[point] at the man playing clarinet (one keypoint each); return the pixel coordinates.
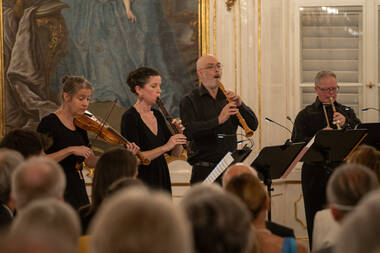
(325, 113)
(210, 120)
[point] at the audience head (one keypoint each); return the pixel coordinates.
(111, 166)
(27, 142)
(361, 228)
(221, 223)
(347, 185)
(124, 183)
(249, 189)
(367, 156)
(237, 169)
(139, 77)
(9, 160)
(37, 178)
(135, 220)
(49, 221)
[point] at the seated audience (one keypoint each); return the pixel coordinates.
(37, 178)
(49, 221)
(111, 166)
(347, 186)
(250, 190)
(360, 230)
(136, 220)
(221, 223)
(367, 156)
(9, 160)
(124, 183)
(241, 168)
(27, 142)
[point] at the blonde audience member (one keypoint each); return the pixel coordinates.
(367, 156)
(250, 190)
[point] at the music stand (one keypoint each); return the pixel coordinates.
(373, 137)
(273, 161)
(229, 159)
(334, 145)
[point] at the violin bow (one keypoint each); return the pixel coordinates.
(106, 118)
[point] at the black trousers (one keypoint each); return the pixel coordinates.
(200, 172)
(314, 181)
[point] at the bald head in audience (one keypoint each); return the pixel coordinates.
(37, 178)
(237, 169)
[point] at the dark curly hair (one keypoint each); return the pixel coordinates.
(139, 77)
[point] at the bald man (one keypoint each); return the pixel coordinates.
(37, 178)
(235, 170)
(241, 168)
(210, 120)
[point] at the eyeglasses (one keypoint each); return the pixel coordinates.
(334, 89)
(213, 66)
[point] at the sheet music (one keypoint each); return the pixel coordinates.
(219, 168)
(298, 157)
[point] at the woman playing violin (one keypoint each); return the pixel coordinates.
(70, 143)
(147, 128)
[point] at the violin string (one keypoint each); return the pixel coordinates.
(105, 119)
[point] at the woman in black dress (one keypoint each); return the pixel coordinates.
(70, 143)
(147, 128)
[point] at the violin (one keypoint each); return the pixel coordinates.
(89, 122)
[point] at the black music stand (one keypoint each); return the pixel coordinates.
(273, 161)
(373, 137)
(333, 145)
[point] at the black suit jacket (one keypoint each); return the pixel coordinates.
(279, 230)
(5, 218)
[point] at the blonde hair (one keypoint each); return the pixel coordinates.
(249, 189)
(367, 156)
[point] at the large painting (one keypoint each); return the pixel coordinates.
(101, 40)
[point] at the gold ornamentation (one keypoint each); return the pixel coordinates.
(296, 212)
(230, 4)
(2, 91)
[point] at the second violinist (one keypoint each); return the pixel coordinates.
(147, 128)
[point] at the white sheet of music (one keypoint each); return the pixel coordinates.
(219, 168)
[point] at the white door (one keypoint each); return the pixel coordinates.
(341, 36)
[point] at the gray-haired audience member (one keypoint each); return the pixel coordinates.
(135, 220)
(36, 178)
(221, 222)
(347, 186)
(51, 222)
(361, 229)
(9, 160)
